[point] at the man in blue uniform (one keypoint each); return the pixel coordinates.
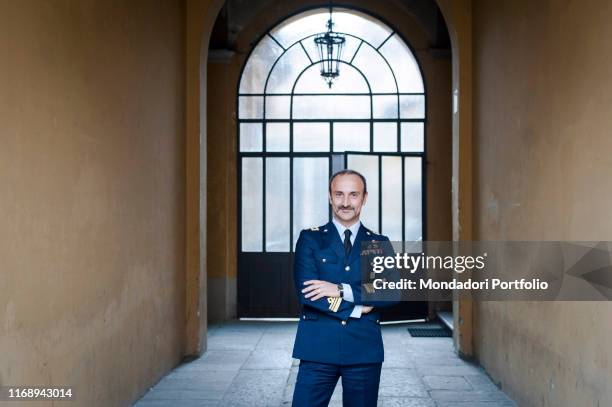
(338, 334)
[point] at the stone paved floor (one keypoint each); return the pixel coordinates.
(250, 364)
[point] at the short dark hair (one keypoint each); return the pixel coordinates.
(349, 172)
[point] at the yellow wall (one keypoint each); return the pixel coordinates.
(542, 103)
(221, 184)
(200, 17)
(92, 186)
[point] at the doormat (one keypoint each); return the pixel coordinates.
(430, 331)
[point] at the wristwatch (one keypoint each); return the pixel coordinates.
(341, 290)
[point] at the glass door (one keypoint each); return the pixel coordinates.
(394, 207)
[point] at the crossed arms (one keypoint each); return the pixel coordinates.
(313, 292)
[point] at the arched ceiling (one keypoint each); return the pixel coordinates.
(236, 14)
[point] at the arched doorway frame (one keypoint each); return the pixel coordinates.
(458, 17)
(200, 17)
(272, 264)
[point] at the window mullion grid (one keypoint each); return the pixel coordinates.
(291, 247)
(263, 199)
(331, 137)
(291, 154)
(329, 174)
(403, 203)
(264, 149)
(380, 187)
(291, 203)
(371, 123)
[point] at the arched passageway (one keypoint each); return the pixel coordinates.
(237, 33)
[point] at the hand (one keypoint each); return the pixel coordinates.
(366, 309)
(316, 289)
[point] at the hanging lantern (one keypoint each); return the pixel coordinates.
(330, 46)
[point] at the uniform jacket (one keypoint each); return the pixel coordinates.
(325, 332)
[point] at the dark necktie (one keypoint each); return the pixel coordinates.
(347, 242)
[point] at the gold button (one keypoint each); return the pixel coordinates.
(343, 322)
(348, 268)
(324, 260)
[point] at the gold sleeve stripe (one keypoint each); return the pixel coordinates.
(334, 303)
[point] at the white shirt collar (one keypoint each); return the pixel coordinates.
(354, 228)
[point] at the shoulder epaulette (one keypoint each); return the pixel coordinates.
(369, 232)
(316, 229)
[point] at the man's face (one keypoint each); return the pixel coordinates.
(347, 197)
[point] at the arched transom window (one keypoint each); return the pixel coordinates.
(294, 130)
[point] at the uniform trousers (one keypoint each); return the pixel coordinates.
(316, 382)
